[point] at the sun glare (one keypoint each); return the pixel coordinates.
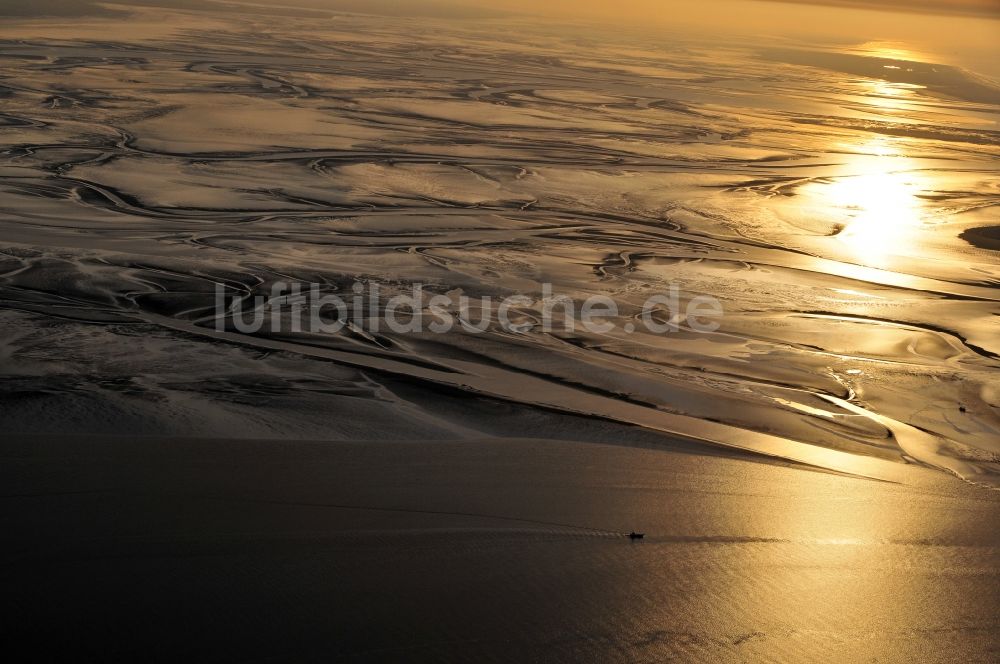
(880, 193)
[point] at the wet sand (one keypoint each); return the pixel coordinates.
(827, 197)
(485, 550)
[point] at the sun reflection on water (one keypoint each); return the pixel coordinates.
(891, 51)
(880, 192)
(889, 98)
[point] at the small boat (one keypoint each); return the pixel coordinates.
(634, 535)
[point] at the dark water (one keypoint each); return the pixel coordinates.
(484, 550)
